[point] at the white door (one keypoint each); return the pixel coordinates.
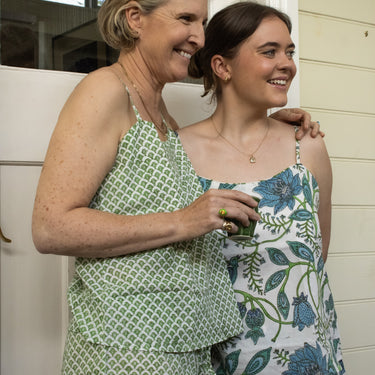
(31, 284)
(33, 312)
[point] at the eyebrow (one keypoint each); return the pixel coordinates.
(277, 45)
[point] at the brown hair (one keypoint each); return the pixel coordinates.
(225, 33)
(113, 25)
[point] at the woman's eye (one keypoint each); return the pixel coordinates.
(291, 54)
(270, 53)
(185, 18)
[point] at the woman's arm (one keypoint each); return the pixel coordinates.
(315, 157)
(81, 152)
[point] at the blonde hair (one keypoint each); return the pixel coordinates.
(113, 25)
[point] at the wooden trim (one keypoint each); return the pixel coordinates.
(17, 163)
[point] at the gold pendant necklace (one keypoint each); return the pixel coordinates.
(252, 158)
(162, 127)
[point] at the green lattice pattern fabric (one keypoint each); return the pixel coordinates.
(178, 298)
(99, 359)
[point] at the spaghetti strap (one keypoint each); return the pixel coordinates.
(298, 151)
(135, 109)
(128, 93)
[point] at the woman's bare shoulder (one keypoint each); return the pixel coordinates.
(103, 83)
(99, 97)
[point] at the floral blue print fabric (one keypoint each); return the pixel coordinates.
(281, 286)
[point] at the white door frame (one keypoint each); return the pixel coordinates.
(290, 7)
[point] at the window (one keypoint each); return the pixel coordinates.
(79, 3)
(52, 34)
(57, 34)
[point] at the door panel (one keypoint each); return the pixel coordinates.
(34, 313)
(32, 285)
(30, 101)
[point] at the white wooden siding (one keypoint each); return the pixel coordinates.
(339, 88)
(353, 230)
(362, 11)
(341, 127)
(337, 77)
(331, 39)
(356, 335)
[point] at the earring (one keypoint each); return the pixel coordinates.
(227, 77)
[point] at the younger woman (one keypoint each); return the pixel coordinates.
(282, 290)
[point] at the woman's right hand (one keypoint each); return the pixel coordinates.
(202, 216)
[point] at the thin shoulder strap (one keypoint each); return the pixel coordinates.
(298, 150)
(127, 92)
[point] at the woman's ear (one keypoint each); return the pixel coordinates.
(134, 16)
(221, 68)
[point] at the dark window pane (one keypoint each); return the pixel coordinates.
(79, 3)
(52, 35)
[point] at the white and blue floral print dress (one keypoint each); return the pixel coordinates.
(281, 286)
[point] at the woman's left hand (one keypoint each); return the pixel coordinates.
(297, 116)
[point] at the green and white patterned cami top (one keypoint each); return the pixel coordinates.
(177, 298)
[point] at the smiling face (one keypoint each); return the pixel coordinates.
(263, 68)
(171, 35)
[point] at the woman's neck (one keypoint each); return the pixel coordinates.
(146, 93)
(142, 79)
(239, 123)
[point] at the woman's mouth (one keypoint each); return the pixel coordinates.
(183, 53)
(278, 82)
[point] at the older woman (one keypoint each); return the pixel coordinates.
(150, 293)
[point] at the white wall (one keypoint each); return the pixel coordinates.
(337, 70)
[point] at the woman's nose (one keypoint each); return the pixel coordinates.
(197, 35)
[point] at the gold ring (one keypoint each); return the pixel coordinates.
(223, 212)
(227, 225)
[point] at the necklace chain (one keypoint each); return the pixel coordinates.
(252, 158)
(162, 127)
